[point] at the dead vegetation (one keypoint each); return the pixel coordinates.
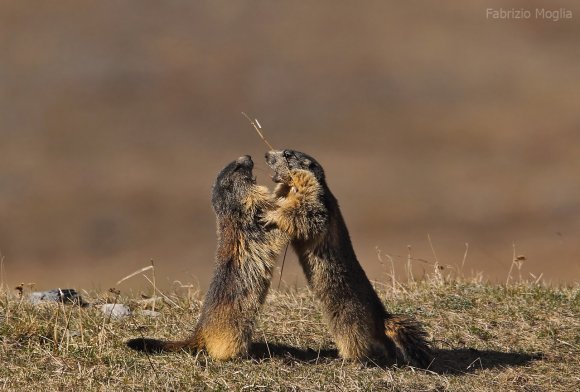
(522, 337)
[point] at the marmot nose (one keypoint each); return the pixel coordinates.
(270, 159)
(245, 160)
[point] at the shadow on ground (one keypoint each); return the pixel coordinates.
(262, 350)
(447, 361)
(469, 360)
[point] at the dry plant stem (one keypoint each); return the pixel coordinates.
(154, 286)
(393, 279)
(66, 325)
(391, 276)
(436, 265)
(267, 345)
(162, 294)
(2, 272)
(538, 279)
(410, 276)
(106, 320)
(464, 258)
(134, 274)
(507, 281)
(257, 127)
(282, 268)
(256, 124)
(381, 262)
(151, 282)
(80, 313)
(55, 328)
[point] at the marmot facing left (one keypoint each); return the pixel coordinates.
(245, 258)
(309, 213)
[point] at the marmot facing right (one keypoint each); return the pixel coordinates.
(309, 213)
(245, 259)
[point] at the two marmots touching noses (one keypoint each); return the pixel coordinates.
(253, 226)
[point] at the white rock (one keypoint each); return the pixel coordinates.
(115, 310)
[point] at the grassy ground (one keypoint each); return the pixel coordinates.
(522, 337)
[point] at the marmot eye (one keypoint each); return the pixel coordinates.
(287, 154)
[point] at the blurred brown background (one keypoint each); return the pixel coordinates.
(429, 118)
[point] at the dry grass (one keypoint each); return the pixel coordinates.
(521, 337)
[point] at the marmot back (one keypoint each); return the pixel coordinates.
(309, 213)
(245, 258)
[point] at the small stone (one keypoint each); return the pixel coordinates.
(66, 296)
(115, 310)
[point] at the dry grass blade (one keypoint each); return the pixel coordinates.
(2, 273)
(134, 274)
(282, 268)
(256, 124)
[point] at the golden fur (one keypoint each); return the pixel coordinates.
(245, 258)
(308, 212)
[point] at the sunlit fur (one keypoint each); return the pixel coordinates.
(308, 212)
(245, 258)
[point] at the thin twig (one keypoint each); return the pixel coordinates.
(267, 345)
(2, 272)
(432, 249)
(134, 273)
(256, 124)
(394, 282)
(410, 276)
(162, 294)
(507, 281)
(393, 279)
(282, 268)
(537, 279)
(154, 285)
(67, 321)
(436, 267)
(464, 258)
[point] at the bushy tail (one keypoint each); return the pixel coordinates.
(410, 339)
(158, 346)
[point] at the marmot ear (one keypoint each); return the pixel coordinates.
(307, 162)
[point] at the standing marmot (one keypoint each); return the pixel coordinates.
(245, 259)
(309, 213)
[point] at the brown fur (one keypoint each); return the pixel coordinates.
(245, 259)
(308, 212)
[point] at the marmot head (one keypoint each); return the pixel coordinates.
(232, 186)
(283, 161)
